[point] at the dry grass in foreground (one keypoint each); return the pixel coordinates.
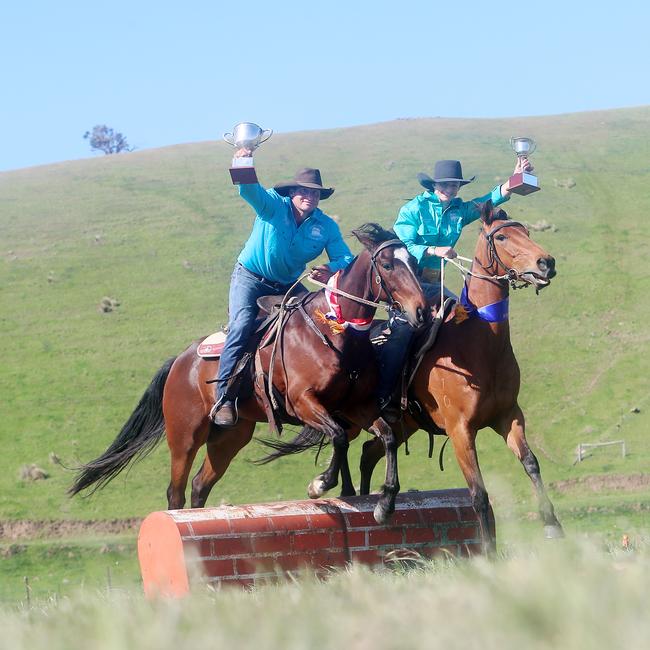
(557, 595)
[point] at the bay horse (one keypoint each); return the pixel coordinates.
(470, 378)
(325, 372)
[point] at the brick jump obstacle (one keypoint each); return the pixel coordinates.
(249, 544)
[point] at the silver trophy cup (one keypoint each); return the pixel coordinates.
(523, 183)
(245, 135)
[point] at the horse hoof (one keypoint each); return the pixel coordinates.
(316, 489)
(382, 514)
(553, 532)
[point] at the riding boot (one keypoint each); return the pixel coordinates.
(392, 355)
(224, 414)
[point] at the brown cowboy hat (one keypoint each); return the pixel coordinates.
(306, 177)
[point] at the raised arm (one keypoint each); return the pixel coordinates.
(253, 193)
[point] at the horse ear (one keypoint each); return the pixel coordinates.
(487, 212)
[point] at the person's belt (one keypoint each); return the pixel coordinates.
(274, 285)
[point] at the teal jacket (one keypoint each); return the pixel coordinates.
(278, 249)
(422, 222)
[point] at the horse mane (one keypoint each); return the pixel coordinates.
(371, 234)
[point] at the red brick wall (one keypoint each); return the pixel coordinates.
(249, 543)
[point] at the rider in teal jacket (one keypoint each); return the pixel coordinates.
(430, 225)
(426, 221)
(289, 231)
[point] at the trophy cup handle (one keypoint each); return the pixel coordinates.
(229, 138)
(266, 134)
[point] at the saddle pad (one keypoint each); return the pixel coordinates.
(212, 346)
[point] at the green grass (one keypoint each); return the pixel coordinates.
(159, 230)
(42, 570)
(546, 596)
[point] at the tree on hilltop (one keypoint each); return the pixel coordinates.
(103, 138)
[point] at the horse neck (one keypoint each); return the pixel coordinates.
(484, 291)
(356, 281)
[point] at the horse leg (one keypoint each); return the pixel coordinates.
(386, 504)
(187, 430)
(222, 447)
(347, 487)
(513, 431)
(338, 464)
(372, 452)
(181, 464)
(464, 441)
(314, 415)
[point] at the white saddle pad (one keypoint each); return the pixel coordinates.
(212, 346)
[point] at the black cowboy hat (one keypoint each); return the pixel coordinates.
(444, 172)
(306, 177)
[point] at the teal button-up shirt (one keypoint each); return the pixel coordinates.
(278, 249)
(422, 222)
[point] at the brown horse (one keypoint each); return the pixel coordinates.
(324, 372)
(470, 378)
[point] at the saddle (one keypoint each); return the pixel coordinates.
(240, 382)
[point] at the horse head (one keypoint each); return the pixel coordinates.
(506, 249)
(391, 276)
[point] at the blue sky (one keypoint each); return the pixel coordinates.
(165, 73)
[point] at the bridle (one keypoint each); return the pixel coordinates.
(379, 280)
(374, 278)
(493, 255)
(511, 275)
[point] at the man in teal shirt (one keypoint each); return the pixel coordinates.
(430, 225)
(289, 231)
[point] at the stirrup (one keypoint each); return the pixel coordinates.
(219, 404)
(216, 406)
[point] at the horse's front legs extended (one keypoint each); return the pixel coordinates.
(513, 430)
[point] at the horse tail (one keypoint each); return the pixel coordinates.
(138, 437)
(307, 438)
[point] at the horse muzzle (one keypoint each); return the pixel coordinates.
(540, 277)
(420, 319)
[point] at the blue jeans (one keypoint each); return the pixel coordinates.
(392, 354)
(245, 289)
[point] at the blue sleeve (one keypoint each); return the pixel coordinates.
(406, 228)
(338, 251)
(472, 209)
(261, 200)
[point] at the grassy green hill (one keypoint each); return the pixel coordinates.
(159, 231)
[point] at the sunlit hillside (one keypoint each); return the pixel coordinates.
(158, 232)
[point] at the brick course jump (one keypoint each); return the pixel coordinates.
(248, 544)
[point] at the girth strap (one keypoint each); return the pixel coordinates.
(424, 348)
